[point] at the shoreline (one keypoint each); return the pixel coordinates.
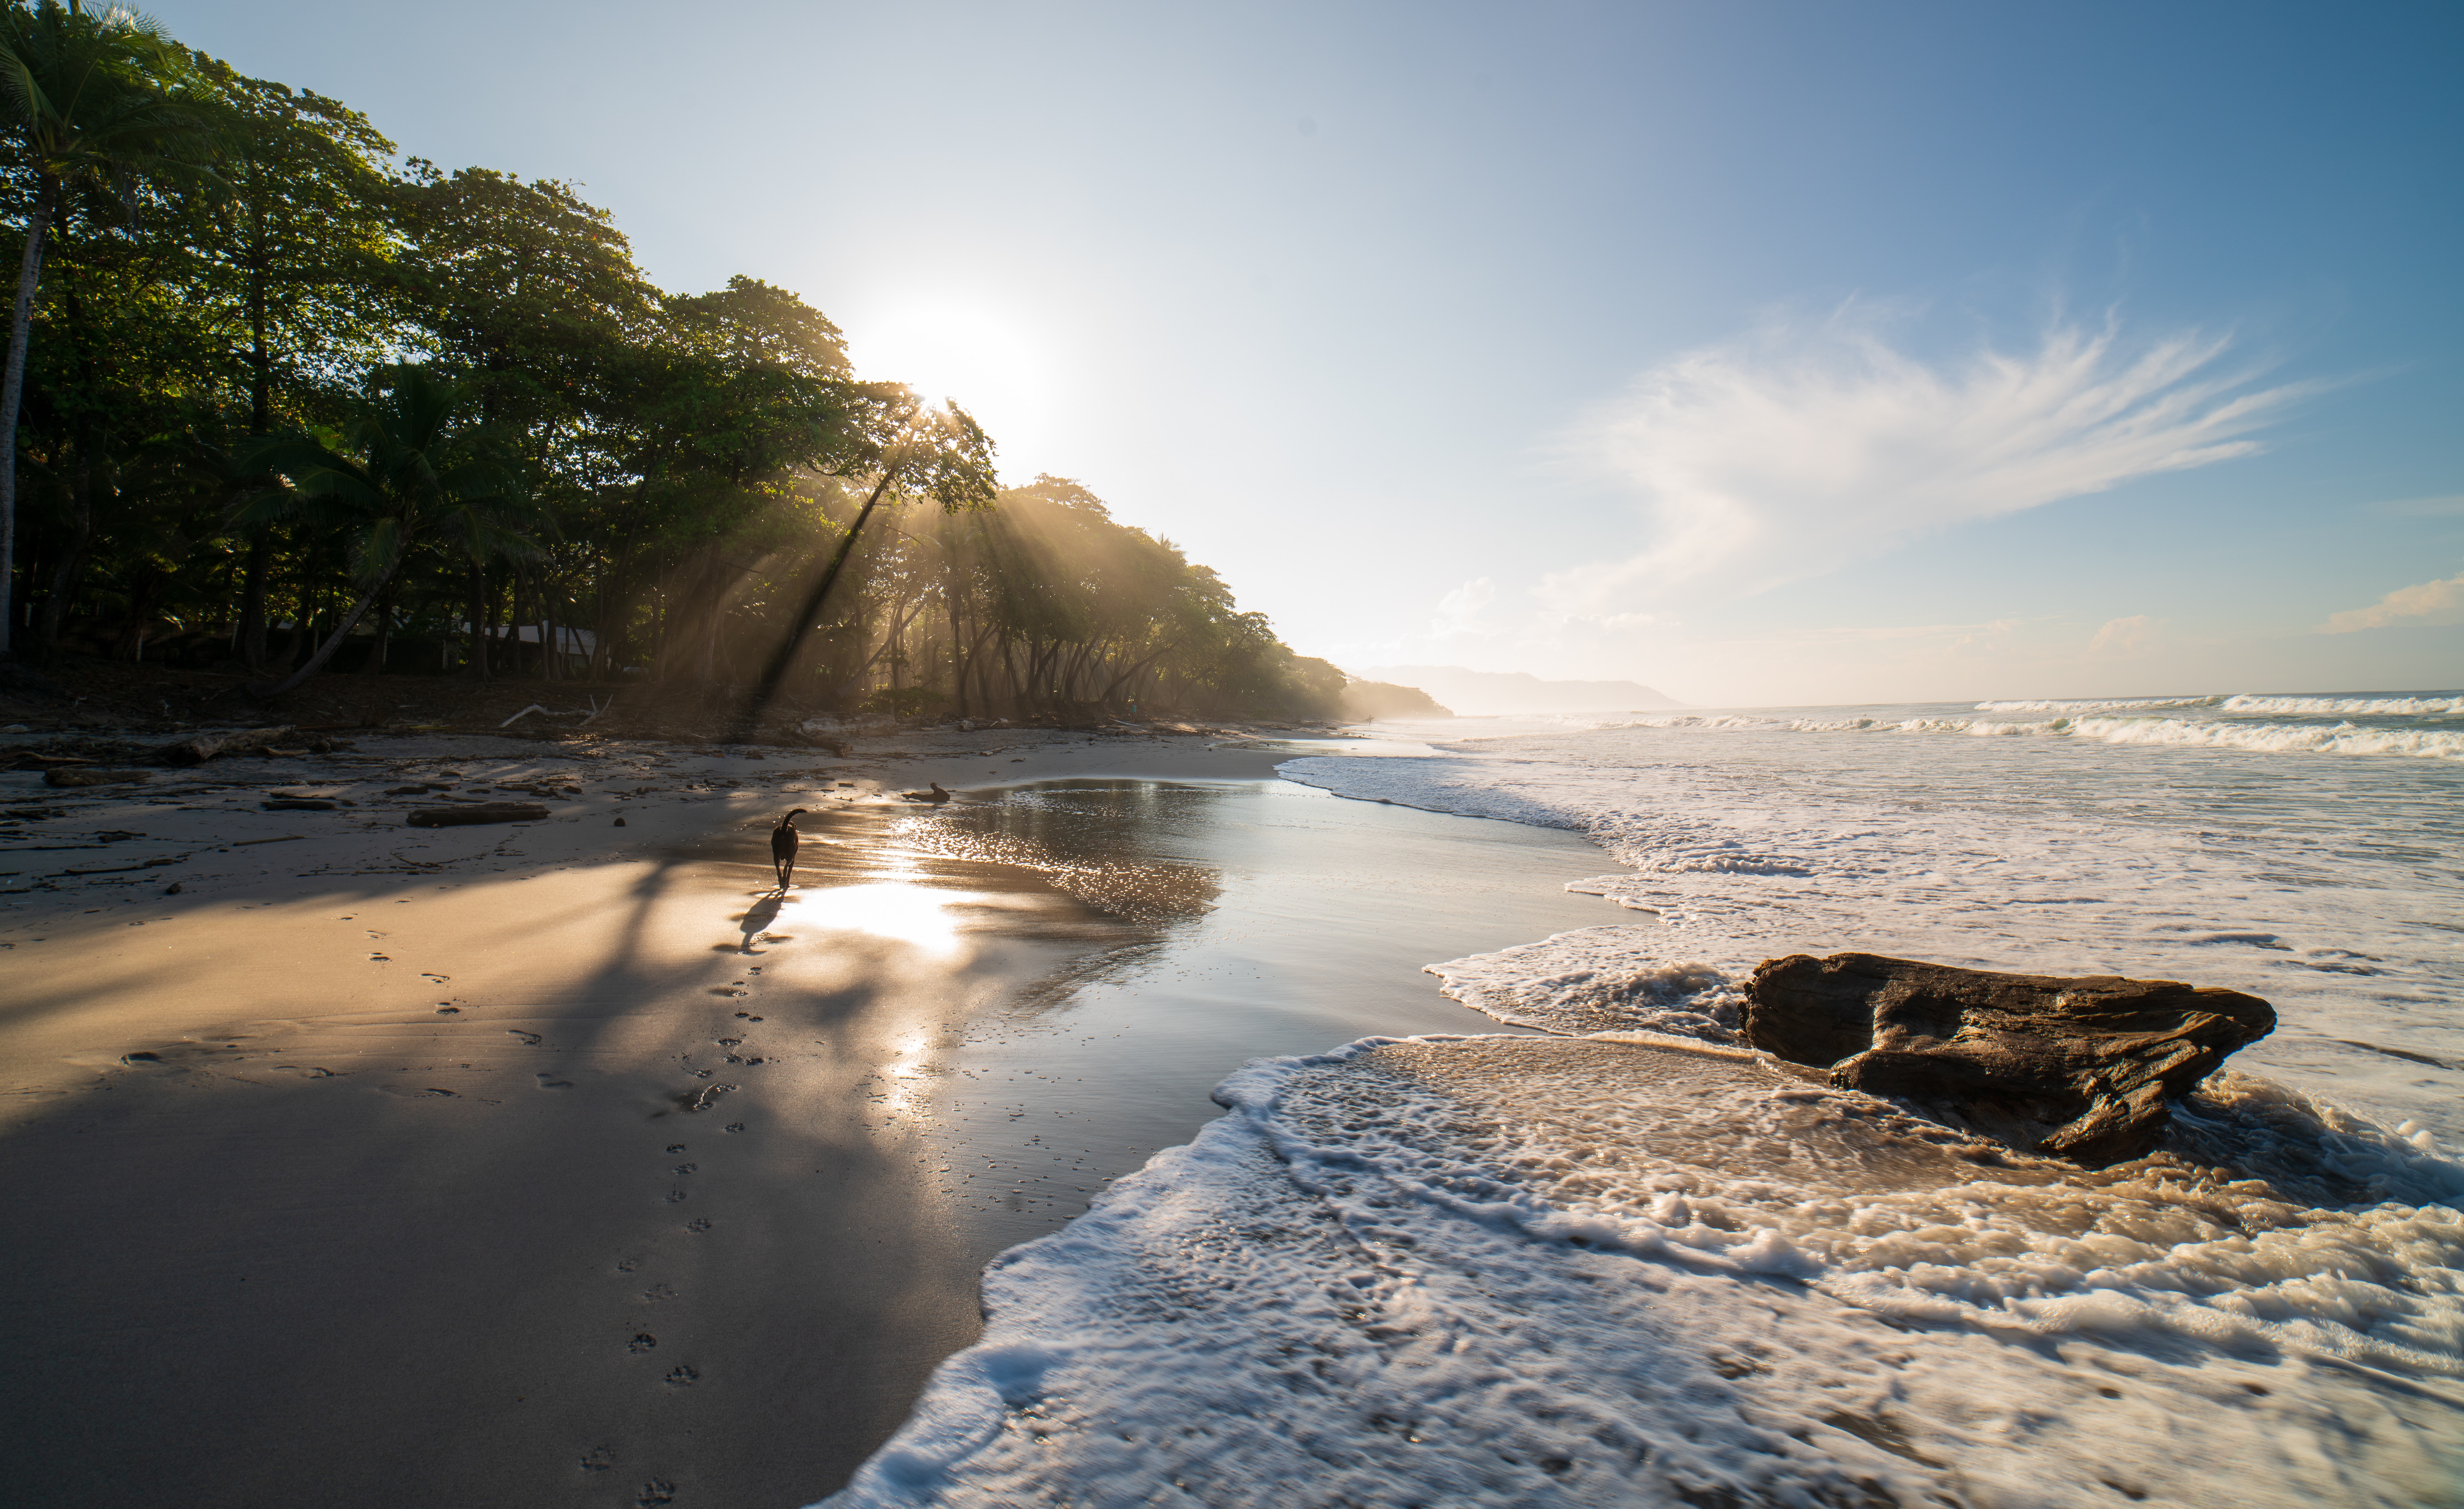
(371, 1128)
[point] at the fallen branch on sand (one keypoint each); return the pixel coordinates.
(203, 747)
(485, 812)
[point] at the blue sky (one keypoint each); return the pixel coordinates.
(1759, 351)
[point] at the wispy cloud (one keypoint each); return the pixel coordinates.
(2429, 604)
(1459, 611)
(2135, 635)
(1801, 449)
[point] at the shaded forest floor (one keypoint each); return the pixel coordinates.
(81, 695)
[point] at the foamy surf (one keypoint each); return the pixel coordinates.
(2319, 885)
(1576, 1272)
(2428, 726)
(1629, 1262)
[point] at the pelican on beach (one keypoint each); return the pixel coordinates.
(783, 839)
(934, 798)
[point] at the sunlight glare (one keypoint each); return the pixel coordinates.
(908, 913)
(985, 361)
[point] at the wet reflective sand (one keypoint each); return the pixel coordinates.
(630, 1177)
(1279, 921)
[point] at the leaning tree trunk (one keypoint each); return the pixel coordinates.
(776, 671)
(266, 690)
(13, 389)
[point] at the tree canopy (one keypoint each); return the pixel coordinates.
(294, 402)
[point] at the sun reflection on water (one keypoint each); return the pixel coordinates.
(911, 914)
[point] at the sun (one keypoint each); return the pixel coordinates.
(988, 362)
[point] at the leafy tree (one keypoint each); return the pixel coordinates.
(297, 256)
(91, 99)
(406, 468)
(941, 454)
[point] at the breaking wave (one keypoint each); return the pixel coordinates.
(2434, 705)
(2100, 704)
(2261, 724)
(2270, 739)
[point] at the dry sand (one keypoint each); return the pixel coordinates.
(548, 1164)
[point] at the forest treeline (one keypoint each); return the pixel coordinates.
(290, 402)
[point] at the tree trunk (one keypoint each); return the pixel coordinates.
(376, 661)
(478, 623)
(775, 670)
(1121, 683)
(252, 620)
(266, 690)
(65, 582)
(13, 390)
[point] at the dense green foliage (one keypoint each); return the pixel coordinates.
(293, 403)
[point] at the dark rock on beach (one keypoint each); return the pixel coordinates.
(73, 775)
(2078, 1068)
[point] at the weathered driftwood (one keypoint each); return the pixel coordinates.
(482, 812)
(298, 805)
(30, 759)
(88, 775)
(203, 747)
(2078, 1068)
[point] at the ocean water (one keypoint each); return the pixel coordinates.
(1630, 1263)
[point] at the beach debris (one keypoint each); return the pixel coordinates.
(298, 805)
(478, 813)
(203, 747)
(2078, 1069)
(934, 798)
(75, 776)
(619, 822)
(33, 759)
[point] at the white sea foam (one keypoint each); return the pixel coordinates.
(2274, 738)
(2430, 706)
(1610, 1266)
(2057, 855)
(1540, 1271)
(2077, 722)
(1598, 979)
(2099, 704)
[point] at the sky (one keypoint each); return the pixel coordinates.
(1763, 353)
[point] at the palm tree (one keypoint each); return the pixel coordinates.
(87, 98)
(406, 471)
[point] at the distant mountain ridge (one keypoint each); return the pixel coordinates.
(1477, 693)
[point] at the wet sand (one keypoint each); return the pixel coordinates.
(557, 1165)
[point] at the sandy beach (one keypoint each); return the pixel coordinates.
(560, 1163)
